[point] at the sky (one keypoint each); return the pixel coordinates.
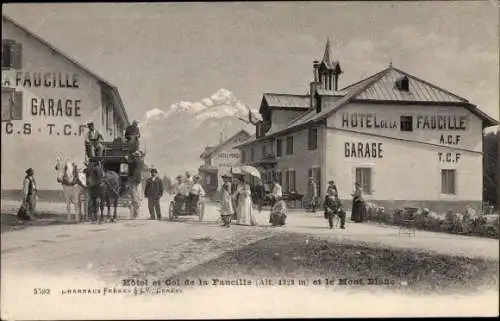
(158, 54)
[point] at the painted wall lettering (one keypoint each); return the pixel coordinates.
(448, 157)
(363, 120)
(15, 128)
(448, 122)
(47, 79)
(363, 150)
(55, 107)
(449, 139)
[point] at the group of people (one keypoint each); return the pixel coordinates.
(238, 198)
(94, 139)
(333, 206)
(187, 191)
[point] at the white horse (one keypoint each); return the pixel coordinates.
(73, 182)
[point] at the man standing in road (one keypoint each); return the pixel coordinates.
(312, 194)
(276, 191)
(153, 192)
(259, 194)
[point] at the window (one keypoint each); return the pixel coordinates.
(406, 123)
(264, 152)
(448, 179)
(243, 156)
(279, 145)
(364, 178)
(312, 139)
(252, 154)
(316, 173)
(403, 84)
(289, 145)
(12, 104)
(11, 54)
(278, 177)
(286, 180)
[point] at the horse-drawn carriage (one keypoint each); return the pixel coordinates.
(190, 205)
(122, 174)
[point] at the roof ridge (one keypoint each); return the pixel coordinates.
(219, 146)
(431, 85)
(284, 94)
(57, 50)
(364, 79)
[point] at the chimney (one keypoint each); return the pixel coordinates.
(314, 83)
(316, 70)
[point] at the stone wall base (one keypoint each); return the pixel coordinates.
(435, 206)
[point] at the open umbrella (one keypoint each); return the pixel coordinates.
(245, 169)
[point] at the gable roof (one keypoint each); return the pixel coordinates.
(380, 87)
(287, 101)
(113, 88)
(209, 151)
(419, 90)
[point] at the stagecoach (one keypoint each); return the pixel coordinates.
(117, 158)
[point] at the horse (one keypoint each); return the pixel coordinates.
(73, 183)
(105, 186)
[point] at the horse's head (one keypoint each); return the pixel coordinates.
(65, 171)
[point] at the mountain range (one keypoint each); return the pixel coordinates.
(174, 138)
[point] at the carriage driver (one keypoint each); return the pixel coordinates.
(93, 141)
(132, 136)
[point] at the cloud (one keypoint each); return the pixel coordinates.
(221, 104)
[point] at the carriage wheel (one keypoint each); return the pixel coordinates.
(201, 211)
(171, 211)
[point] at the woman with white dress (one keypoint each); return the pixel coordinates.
(244, 211)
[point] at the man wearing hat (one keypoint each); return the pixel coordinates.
(259, 193)
(132, 136)
(93, 141)
(312, 194)
(153, 192)
(29, 195)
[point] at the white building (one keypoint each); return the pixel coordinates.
(219, 159)
(407, 141)
(47, 99)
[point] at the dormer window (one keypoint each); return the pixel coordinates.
(403, 84)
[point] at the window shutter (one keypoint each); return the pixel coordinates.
(318, 180)
(17, 55)
(6, 104)
(293, 181)
(7, 52)
(287, 180)
(17, 107)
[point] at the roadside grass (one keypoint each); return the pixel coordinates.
(299, 256)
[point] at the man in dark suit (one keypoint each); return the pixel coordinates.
(259, 193)
(153, 192)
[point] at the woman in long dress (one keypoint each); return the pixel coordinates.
(226, 208)
(244, 212)
(358, 205)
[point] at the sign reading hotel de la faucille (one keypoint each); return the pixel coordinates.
(374, 150)
(44, 106)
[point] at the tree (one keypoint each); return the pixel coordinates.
(491, 167)
(167, 183)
